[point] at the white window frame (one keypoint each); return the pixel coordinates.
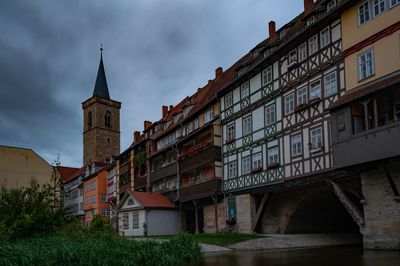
(289, 103)
(246, 165)
(209, 115)
(292, 57)
(330, 89)
(315, 90)
(125, 221)
(367, 63)
(296, 145)
(247, 125)
(135, 220)
(302, 52)
(232, 169)
(316, 138)
(267, 75)
(366, 12)
(313, 45)
(325, 38)
(245, 90)
(378, 4)
(230, 132)
(273, 155)
(394, 3)
(228, 99)
(302, 96)
(270, 115)
(257, 160)
(310, 20)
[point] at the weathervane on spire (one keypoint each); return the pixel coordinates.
(101, 48)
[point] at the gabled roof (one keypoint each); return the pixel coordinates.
(148, 199)
(100, 87)
(77, 173)
(66, 172)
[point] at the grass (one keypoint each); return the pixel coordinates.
(98, 250)
(220, 239)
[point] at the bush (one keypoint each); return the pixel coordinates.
(98, 250)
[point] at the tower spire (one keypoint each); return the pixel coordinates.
(100, 87)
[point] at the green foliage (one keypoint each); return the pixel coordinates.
(140, 159)
(98, 250)
(99, 226)
(223, 239)
(29, 211)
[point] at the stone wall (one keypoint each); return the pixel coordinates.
(209, 217)
(246, 212)
(381, 210)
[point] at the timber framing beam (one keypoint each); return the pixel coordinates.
(260, 211)
(390, 179)
(352, 209)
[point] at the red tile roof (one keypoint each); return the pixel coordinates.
(151, 199)
(76, 174)
(66, 172)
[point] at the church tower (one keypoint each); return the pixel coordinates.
(101, 129)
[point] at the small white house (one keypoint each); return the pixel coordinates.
(147, 213)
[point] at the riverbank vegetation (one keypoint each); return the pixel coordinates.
(34, 230)
(221, 239)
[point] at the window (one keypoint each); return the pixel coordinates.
(379, 6)
(316, 138)
(267, 52)
(228, 99)
(331, 5)
(246, 165)
(310, 20)
(92, 199)
(282, 33)
(232, 169)
(302, 96)
(244, 90)
(315, 90)
(246, 125)
(293, 57)
(107, 119)
(273, 155)
(209, 115)
(325, 39)
(330, 84)
(125, 221)
(135, 219)
(312, 45)
(302, 52)
(366, 64)
(296, 145)
(91, 186)
(106, 212)
(363, 13)
(257, 161)
(230, 132)
(90, 119)
(270, 114)
(289, 104)
(104, 198)
(267, 75)
(394, 2)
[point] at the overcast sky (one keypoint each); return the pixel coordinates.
(156, 52)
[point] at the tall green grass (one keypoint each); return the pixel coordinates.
(102, 249)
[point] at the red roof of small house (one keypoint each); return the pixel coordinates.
(152, 199)
(77, 173)
(66, 172)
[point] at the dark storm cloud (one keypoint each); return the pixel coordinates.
(156, 52)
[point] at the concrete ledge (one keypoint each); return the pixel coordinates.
(284, 241)
(207, 248)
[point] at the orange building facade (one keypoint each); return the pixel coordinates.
(95, 196)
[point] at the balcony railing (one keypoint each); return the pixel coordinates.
(374, 144)
(202, 157)
(201, 190)
(163, 172)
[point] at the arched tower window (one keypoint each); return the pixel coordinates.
(89, 121)
(107, 119)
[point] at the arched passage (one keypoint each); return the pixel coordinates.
(322, 212)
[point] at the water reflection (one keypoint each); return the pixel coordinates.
(349, 255)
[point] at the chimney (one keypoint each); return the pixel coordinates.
(218, 72)
(170, 107)
(164, 110)
(147, 124)
(308, 4)
(136, 136)
(272, 29)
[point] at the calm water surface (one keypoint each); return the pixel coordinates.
(348, 255)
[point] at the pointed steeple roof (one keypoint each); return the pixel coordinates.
(101, 88)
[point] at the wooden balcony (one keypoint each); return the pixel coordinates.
(163, 172)
(201, 157)
(200, 190)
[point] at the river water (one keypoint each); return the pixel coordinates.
(332, 256)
